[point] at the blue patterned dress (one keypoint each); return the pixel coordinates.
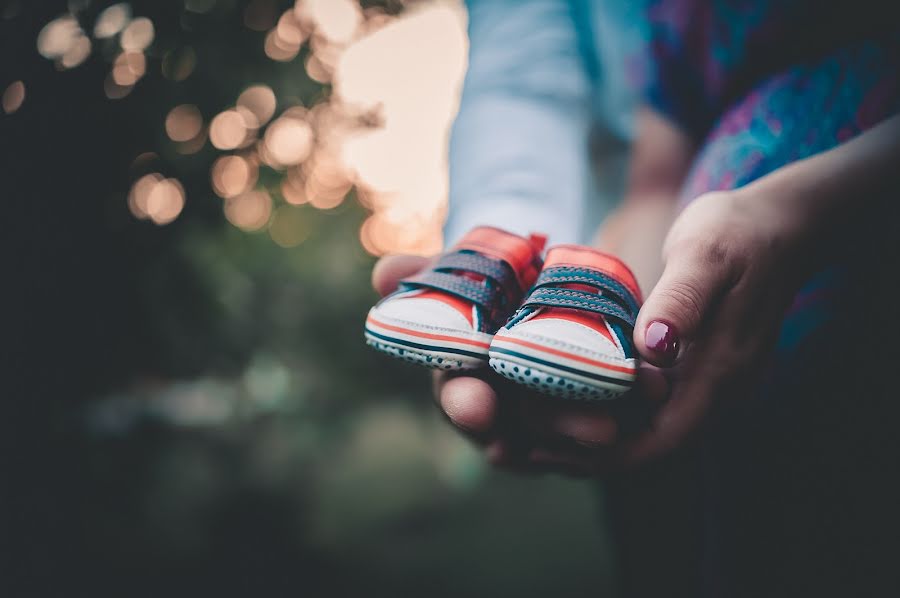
(761, 84)
(792, 485)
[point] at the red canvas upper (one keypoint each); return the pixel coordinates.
(586, 257)
(522, 254)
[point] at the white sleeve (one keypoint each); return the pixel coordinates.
(519, 155)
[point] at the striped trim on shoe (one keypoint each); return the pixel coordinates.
(465, 350)
(600, 367)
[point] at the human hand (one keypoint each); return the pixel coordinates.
(733, 262)
(517, 428)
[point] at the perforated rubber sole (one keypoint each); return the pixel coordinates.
(550, 381)
(430, 358)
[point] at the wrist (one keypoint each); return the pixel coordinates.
(796, 225)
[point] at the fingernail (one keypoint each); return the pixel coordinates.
(663, 339)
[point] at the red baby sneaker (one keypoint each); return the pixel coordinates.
(571, 337)
(446, 316)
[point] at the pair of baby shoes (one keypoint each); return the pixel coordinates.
(560, 325)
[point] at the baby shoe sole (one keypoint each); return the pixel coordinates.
(564, 378)
(434, 348)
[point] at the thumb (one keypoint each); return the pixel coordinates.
(680, 301)
(389, 270)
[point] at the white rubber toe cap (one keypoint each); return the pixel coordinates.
(426, 312)
(566, 335)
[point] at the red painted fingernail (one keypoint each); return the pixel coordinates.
(663, 339)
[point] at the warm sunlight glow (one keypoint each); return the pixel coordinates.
(337, 20)
(379, 132)
(401, 165)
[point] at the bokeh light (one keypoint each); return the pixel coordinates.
(260, 101)
(156, 198)
(317, 70)
(138, 35)
(293, 193)
(183, 123)
(13, 97)
(336, 20)
(228, 130)
(128, 68)
(233, 175)
(165, 201)
(112, 20)
(288, 141)
(58, 37)
(289, 30)
(140, 193)
(249, 211)
(381, 130)
(279, 50)
(194, 144)
(77, 53)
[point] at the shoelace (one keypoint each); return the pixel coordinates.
(613, 299)
(494, 294)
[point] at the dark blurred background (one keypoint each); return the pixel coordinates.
(187, 403)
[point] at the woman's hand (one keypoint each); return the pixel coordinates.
(735, 259)
(733, 262)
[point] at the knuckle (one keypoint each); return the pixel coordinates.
(684, 296)
(712, 253)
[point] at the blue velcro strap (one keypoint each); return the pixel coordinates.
(497, 270)
(476, 292)
(498, 289)
(570, 275)
(574, 299)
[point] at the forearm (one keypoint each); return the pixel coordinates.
(834, 191)
(660, 158)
